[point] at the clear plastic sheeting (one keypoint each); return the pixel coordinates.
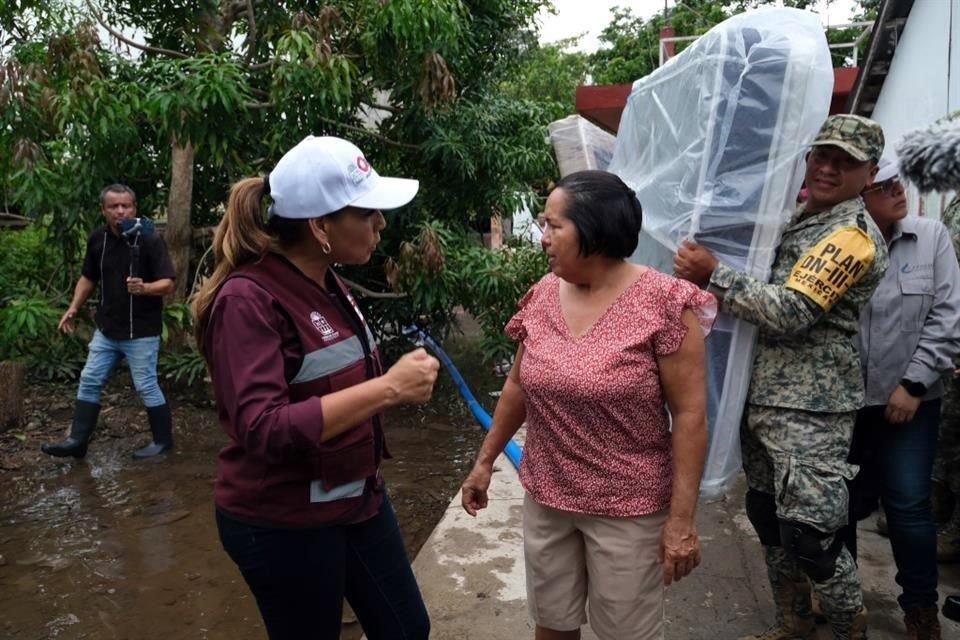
(713, 143)
(580, 145)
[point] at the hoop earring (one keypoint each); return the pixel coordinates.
(325, 247)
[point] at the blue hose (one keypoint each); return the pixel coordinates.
(512, 450)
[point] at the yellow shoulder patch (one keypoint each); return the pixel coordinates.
(826, 272)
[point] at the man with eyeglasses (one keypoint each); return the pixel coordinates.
(805, 384)
(908, 342)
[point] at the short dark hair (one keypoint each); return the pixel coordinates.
(116, 187)
(605, 212)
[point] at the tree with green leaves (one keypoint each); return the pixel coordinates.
(180, 99)
(549, 73)
(630, 45)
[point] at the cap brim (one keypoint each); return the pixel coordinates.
(849, 148)
(887, 173)
(389, 193)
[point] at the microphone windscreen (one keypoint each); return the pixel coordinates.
(930, 158)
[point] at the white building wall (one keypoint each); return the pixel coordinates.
(924, 80)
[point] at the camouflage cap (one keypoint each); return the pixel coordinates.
(861, 137)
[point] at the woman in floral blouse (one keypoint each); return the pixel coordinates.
(609, 377)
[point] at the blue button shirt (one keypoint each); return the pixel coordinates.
(911, 326)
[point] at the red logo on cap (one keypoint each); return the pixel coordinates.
(362, 164)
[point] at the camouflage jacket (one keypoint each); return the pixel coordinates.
(826, 268)
(951, 218)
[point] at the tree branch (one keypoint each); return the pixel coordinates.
(252, 35)
(367, 293)
(136, 45)
(381, 107)
(373, 134)
(260, 105)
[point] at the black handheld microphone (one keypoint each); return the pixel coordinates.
(131, 229)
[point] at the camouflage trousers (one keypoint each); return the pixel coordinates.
(946, 466)
(800, 457)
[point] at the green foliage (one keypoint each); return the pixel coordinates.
(416, 24)
(425, 290)
(28, 333)
(30, 264)
(185, 368)
(549, 74)
(492, 283)
(445, 269)
(630, 45)
(179, 360)
(196, 99)
(22, 321)
(629, 48)
(467, 145)
(177, 321)
(79, 108)
(30, 275)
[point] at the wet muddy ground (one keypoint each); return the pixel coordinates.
(111, 548)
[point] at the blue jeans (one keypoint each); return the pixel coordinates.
(299, 577)
(896, 463)
(103, 355)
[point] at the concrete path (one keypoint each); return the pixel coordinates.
(472, 577)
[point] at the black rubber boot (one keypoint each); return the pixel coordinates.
(161, 426)
(951, 607)
(85, 416)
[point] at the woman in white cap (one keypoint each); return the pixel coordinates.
(300, 392)
(908, 341)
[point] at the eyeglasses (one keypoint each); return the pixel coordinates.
(889, 187)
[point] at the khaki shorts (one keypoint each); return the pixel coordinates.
(612, 563)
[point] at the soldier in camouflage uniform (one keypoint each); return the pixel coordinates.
(806, 384)
(947, 466)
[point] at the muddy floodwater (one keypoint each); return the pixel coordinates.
(111, 548)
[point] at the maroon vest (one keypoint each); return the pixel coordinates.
(337, 482)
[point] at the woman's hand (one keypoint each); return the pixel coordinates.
(474, 488)
(679, 549)
(411, 378)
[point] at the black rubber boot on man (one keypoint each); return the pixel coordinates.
(85, 416)
(951, 607)
(161, 426)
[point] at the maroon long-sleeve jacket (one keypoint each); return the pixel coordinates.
(277, 342)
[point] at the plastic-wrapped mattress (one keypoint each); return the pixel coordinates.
(580, 145)
(713, 142)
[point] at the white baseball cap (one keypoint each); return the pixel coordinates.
(886, 169)
(322, 175)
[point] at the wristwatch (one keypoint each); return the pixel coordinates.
(915, 389)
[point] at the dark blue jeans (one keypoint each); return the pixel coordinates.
(896, 463)
(300, 577)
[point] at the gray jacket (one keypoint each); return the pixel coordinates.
(911, 326)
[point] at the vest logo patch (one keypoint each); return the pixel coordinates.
(326, 331)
